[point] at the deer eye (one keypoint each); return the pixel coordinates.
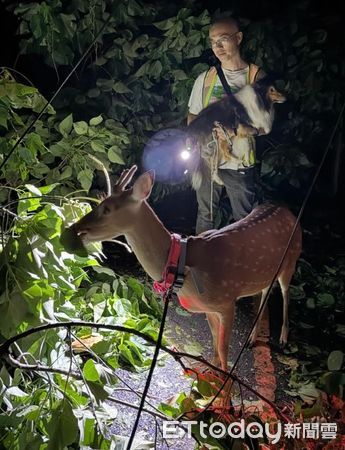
(106, 210)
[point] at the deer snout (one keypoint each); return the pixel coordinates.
(81, 233)
(72, 241)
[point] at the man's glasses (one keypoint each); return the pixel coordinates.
(221, 41)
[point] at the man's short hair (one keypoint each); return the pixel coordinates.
(229, 20)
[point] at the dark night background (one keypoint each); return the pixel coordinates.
(324, 209)
(276, 34)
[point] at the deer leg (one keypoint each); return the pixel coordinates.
(226, 322)
(285, 326)
(254, 333)
(284, 282)
(213, 322)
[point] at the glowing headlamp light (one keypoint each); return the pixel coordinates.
(186, 153)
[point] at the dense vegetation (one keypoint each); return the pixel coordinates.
(135, 80)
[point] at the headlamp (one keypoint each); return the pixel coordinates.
(172, 154)
(186, 153)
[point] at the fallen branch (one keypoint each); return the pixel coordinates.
(40, 368)
(4, 350)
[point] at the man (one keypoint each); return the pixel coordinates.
(236, 173)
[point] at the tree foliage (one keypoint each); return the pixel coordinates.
(50, 395)
(142, 67)
(135, 80)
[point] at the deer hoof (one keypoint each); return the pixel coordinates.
(252, 339)
(283, 337)
(215, 361)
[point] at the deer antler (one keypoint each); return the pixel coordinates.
(106, 174)
(124, 179)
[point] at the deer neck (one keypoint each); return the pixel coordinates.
(150, 241)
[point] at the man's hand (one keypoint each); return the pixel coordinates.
(242, 131)
(220, 134)
(246, 131)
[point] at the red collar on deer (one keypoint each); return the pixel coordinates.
(173, 274)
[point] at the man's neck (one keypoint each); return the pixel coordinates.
(236, 63)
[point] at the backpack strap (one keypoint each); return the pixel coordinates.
(222, 78)
(211, 79)
(209, 83)
(253, 73)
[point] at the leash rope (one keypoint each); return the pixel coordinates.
(214, 159)
(213, 168)
(166, 298)
(49, 102)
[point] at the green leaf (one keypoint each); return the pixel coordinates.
(31, 412)
(88, 432)
(308, 392)
(97, 146)
(340, 329)
(90, 371)
(143, 70)
(49, 188)
(156, 69)
(335, 360)
(334, 382)
(98, 391)
(121, 88)
(126, 354)
(26, 155)
(34, 190)
(106, 270)
(93, 93)
(66, 173)
(300, 41)
(325, 300)
(96, 120)
(205, 388)
(104, 84)
(65, 126)
(310, 303)
(33, 291)
(114, 155)
(85, 178)
(16, 392)
(165, 24)
(34, 142)
(81, 127)
(62, 428)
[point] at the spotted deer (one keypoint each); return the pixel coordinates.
(223, 265)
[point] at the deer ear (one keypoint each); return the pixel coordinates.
(143, 185)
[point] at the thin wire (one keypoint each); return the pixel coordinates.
(29, 128)
(306, 198)
(167, 297)
(10, 69)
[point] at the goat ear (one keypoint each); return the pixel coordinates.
(143, 186)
